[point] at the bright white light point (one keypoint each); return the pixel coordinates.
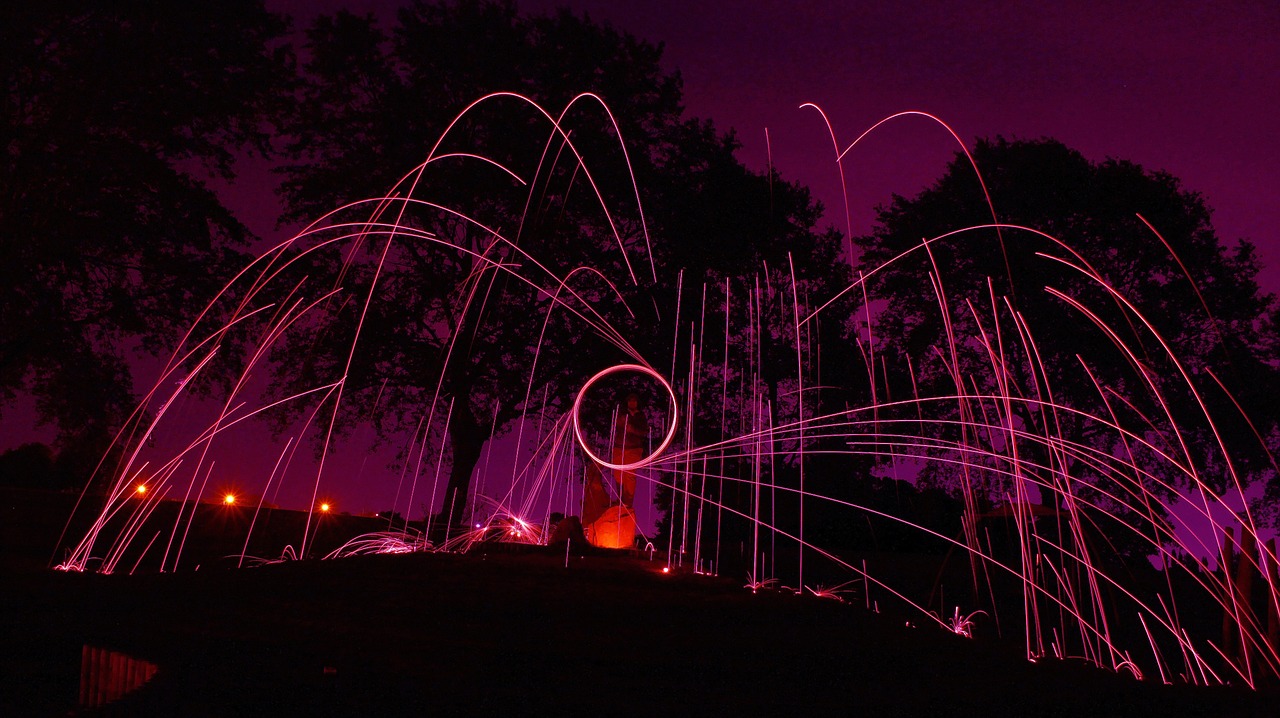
(142, 488)
(666, 569)
(229, 499)
(324, 508)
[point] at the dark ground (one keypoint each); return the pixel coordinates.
(518, 631)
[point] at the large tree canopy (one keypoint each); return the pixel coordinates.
(375, 103)
(108, 236)
(1058, 331)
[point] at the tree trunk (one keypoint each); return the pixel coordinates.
(466, 440)
(1037, 453)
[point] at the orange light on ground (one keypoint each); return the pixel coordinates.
(142, 489)
(229, 500)
(324, 508)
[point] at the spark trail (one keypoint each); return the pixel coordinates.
(759, 473)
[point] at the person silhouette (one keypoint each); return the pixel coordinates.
(630, 436)
(607, 523)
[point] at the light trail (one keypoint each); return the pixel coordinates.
(751, 455)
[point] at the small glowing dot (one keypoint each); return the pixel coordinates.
(324, 508)
(142, 488)
(666, 569)
(229, 499)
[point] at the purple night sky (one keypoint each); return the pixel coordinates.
(1186, 87)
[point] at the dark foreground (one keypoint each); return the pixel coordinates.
(431, 634)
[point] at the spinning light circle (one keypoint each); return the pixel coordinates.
(577, 416)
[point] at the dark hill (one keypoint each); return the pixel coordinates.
(424, 634)
(502, 630)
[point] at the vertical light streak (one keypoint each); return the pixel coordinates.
(795, 306)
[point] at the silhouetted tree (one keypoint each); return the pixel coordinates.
(28, 466)
(108, 235)
(1202, 297)
(374, 105)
